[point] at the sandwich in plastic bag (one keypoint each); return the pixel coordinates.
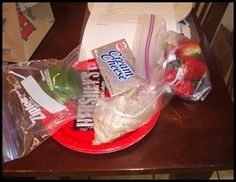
(133, 103)
(165, 63)
(113, 117)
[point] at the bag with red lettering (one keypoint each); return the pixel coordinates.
(38, 98)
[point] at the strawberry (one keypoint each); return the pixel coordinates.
(194, 68)
(188, 48)
(170, 75)
(184, 88)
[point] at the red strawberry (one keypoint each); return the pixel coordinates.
(170, 75)
(188, 48)
(193, 68)
(184, 88)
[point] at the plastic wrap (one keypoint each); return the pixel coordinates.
(148, 47)
(113, 117)
(135, 99)
(170, 57)
(33, 92)
(185, 68)
(166, 63)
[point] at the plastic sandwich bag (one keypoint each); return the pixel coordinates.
(33, 93)
(164, 64)
(185, 68)
(134, 102)
(148, 47)
(170, 57)
(113, 117)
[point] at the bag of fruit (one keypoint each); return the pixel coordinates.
(185, 68)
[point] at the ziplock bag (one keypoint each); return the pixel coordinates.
(33, 92)
(185, 68)
(148, 47)
(113, 117)
(133, 101)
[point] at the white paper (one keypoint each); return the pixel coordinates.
(35, 91)
(109, 22)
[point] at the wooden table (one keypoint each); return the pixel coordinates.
(190, 137)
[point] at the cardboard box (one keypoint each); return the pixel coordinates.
(24, 27)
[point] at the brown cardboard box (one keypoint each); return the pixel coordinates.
(24, 27)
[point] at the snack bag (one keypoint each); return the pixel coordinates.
(185, 68)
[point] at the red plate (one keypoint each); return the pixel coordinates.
(81, 141)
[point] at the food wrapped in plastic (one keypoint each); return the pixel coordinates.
(185, 68)
(35, 91)
(118, 115)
